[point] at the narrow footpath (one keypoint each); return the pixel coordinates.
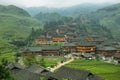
(60, 65)
(20, 61)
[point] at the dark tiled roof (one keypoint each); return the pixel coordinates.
(117, 46)
(106, 48)
(73, 74)
(37, 69)
(32, 49)
(70, 33)
(60, 36)
(69, 44)
(45, 47)
(96, 36)
(14, 66)
(77, 39)
(48, 47)
(22, 74)
(85, 43)
(117, 55)
(87, 55)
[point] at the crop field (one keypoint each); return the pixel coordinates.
(106, 70)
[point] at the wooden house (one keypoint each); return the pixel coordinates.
(85, 47)
(51, 50)
(32, 50)
(107, 51)
(98, 39)
(58, 39)
(76, 39)
(69, 47)
(45, 50)
(42, 41)
(50, 34)
(116, 58)
(21, 73)
(118, 47)
(70, 35)
(62, 29)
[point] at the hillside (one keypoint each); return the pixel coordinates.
(15, 25)
(109, 17)
(48, 17)
(12, 26)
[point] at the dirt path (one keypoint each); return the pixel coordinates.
(20, 61)
(60, 65)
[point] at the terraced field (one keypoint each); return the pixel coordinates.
(105, 70)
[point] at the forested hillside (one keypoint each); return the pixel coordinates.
(48, 17)
(110, 18)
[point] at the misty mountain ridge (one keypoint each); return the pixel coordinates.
(67, 11)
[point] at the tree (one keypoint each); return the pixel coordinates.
(30, 60)
(4, 72)
(42, 62)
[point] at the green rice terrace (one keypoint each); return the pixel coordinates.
(105, 70)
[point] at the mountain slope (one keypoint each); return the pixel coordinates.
(12, 26)
(110, 17)
(48, 17)
(15, 24)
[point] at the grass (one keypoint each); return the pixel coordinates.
(49, 61)
(9, 56)
(106, 70)
(17, 26)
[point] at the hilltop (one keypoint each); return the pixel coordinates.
(11, 9)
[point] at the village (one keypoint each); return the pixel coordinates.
(72, 45)
(65, 41)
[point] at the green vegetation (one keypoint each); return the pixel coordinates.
(11, 9)
(28, 61)
(110, 18)
(42, 78)
(4, 72)
(105, 70)
(87, 26)
(51, 61)
(13, 30)
(15, 26)
(8, 56)
(48, 17)
(45, 61)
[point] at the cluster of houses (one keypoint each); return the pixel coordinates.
(35, 72)
(66, 39)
